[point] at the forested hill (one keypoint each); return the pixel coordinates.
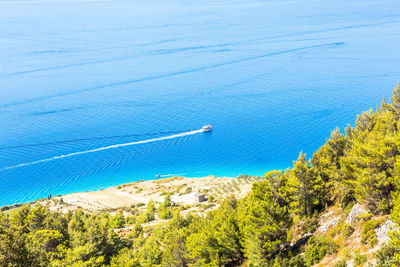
(329, 209)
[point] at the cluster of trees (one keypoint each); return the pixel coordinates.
(362, 165)
(35, 236)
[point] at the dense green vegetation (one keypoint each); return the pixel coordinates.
(361, 165)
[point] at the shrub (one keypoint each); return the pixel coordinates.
(130, 220)
(145, 217)
(347, 254)
(318, 248)
(347, 209)
(384, 256)
(341, 263)
(165, 213)
(368, 235)
(345, 197)
(137, 230)
(164, 209)
(117, 221)
(297, 261)
(359, 259)
(188, 190)
(335, 230)
(133, 211)
(347, 230)
(138, 190)
(310, 223)
(140, 204)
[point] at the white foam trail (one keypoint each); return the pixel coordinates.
(105, 148)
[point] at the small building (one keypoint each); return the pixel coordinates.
(200, 197)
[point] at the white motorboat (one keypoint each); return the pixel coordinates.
(207, 128)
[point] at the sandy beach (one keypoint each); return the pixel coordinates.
(182, 191)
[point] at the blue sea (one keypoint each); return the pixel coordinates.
(95, 93)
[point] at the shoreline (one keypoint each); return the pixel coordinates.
(182, 191)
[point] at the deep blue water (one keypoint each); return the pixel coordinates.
(273, 77)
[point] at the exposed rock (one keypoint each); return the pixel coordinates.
(383, 230)
(323, 228)
(355, 212)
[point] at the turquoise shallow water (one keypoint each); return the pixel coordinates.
(272, 77)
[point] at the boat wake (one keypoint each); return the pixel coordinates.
(106, 148)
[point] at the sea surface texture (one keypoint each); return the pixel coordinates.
(95, 93)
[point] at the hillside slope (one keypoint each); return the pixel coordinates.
(341, 207)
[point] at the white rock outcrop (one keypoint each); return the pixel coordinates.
(323, 228)
(355, 212)
(383, 231)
